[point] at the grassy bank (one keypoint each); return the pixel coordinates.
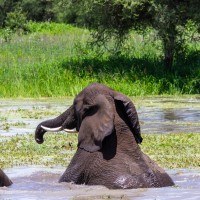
(55, 60)
(169, 151)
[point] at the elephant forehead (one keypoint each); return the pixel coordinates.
(85, 97)
(94, 89)
(90, 98)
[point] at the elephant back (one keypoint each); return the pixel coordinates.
(4, 180)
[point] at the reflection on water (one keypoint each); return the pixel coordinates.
(171, 120)
(22, 116)
(170, 116)
(160, 115)
(42, 183)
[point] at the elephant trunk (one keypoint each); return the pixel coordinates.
(65, 120)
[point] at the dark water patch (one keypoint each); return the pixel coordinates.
(170, 114)
(166, 115)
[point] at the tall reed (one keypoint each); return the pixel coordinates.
(56, 60)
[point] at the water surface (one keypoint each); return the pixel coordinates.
(42, 183)
(156, 115)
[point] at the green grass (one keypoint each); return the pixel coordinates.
(55, 60)
(169, 151)
(173, 150)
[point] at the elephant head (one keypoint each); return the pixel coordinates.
(108, 136)
(92, 115)
(4, 180)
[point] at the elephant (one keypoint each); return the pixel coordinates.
(4, 180)
(108, 151)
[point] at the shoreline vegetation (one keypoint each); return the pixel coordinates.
(174, 150)
(56, 60)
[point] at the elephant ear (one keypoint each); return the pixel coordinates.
(96, 125)
(131, 114)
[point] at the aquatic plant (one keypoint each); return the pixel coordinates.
(169, 150)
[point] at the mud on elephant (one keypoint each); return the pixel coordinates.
(108, 136)
(4, 180)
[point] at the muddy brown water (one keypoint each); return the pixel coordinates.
(42, 183)
(159, 115)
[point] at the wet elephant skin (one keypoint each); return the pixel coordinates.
(108, 151)
(4, 180)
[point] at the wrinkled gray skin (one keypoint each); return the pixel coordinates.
(109, 132)
(4, 180)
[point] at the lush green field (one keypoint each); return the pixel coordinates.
(55, 60)
(169, 151)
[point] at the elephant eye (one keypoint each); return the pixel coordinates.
(89, 110)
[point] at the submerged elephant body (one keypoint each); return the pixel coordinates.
(109, 133)
(122, 171)
(4, 180)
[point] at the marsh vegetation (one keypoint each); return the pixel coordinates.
(177, 147)
(169, 151)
